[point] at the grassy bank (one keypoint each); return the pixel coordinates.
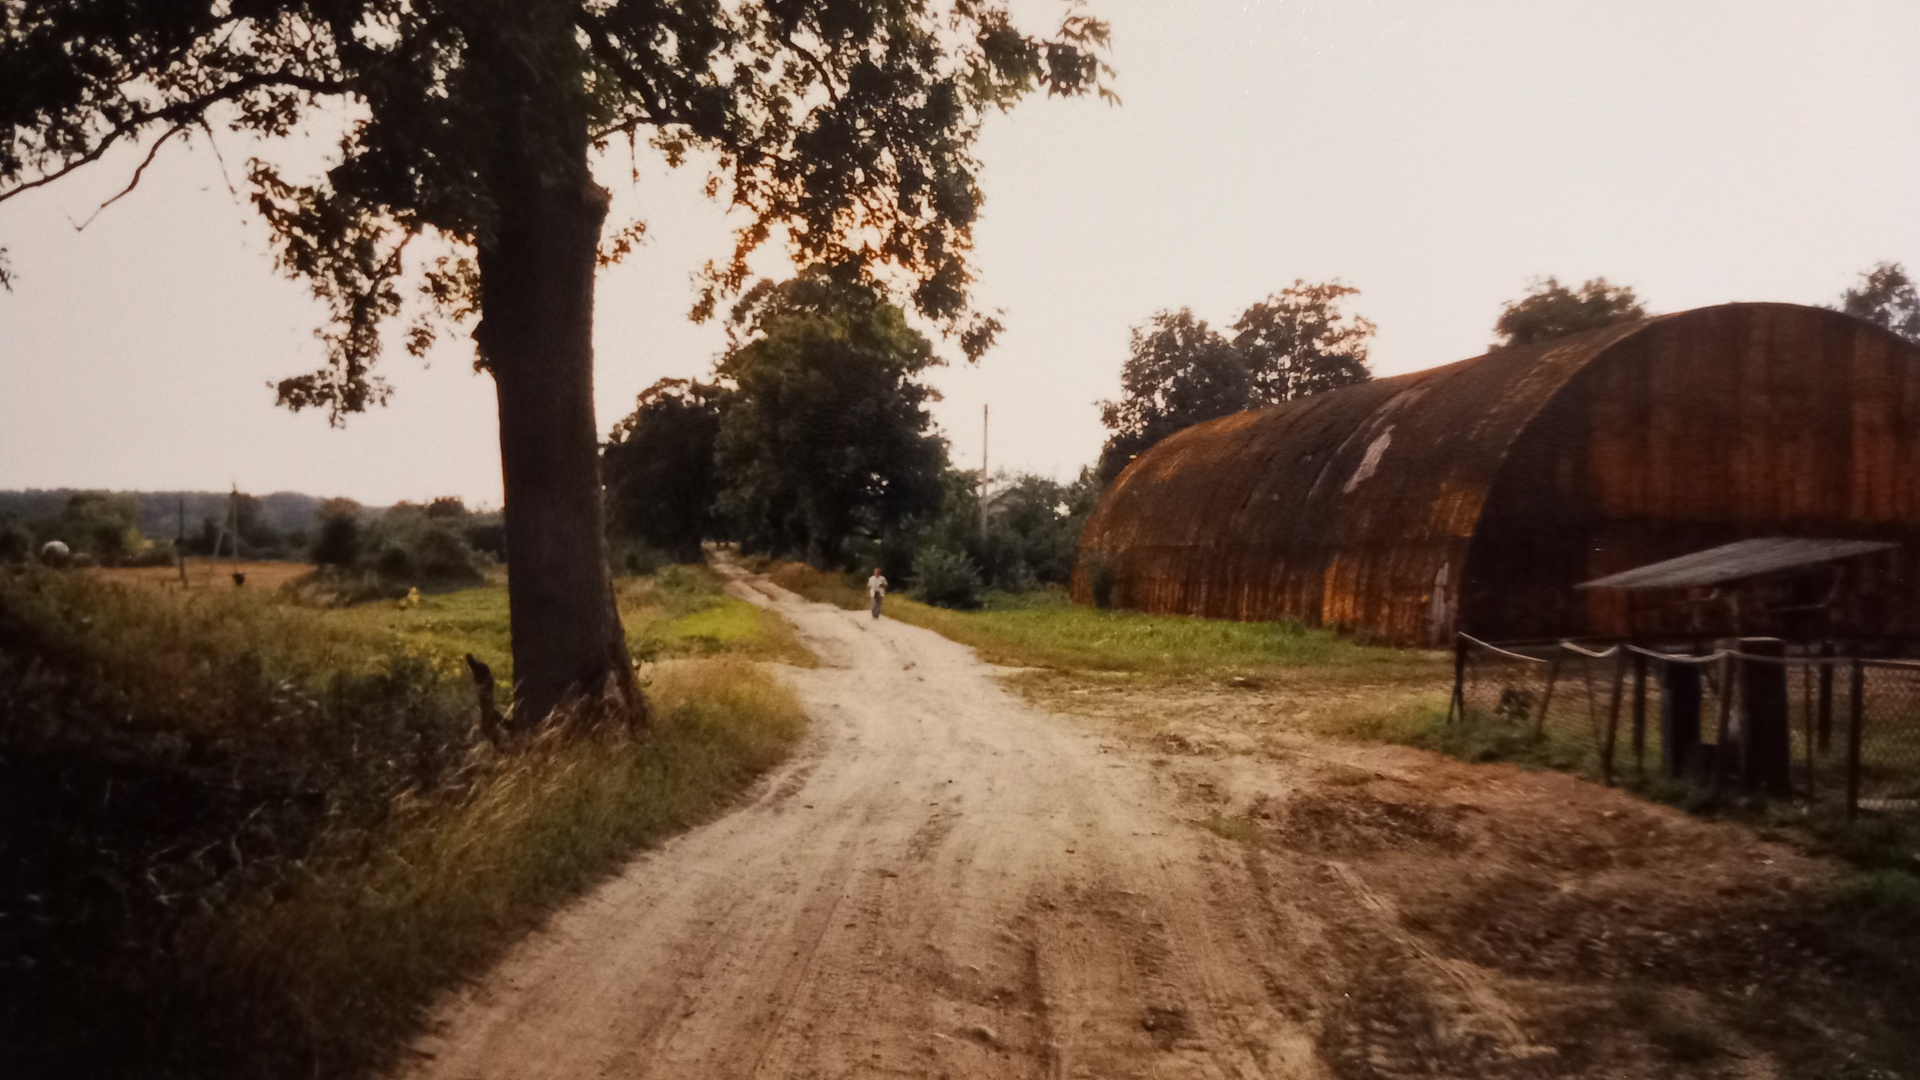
(241, 837)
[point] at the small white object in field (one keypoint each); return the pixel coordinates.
(55, 553)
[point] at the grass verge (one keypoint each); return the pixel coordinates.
(1045, 629)
(240, 837)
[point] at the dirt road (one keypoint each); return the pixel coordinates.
(952, 882)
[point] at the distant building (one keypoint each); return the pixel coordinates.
(1475, 496)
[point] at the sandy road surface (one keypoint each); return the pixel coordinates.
(947, 882)
(952, 882)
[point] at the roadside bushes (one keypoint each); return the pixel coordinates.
(159, 761)
(242, 838)
(946, 578)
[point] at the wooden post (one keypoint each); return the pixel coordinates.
(180, 540)
(1459, 697)
(1639, 712)
(233, 517)
(983, 473)
(1679, 717)
(1858, 710)
(1722, 758)
(1826, 695)
(1540, 718)
(1766, 737)
(1613, 716)
(1806, 723)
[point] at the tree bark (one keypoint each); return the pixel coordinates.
(537, 256)
(536, 337)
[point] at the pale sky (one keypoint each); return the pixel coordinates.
(1437, 155)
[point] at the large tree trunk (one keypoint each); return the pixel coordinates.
(537, 256)
(537, 276)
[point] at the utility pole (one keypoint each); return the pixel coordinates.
(983, 471)
(180, 541)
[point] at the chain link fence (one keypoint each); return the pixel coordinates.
(1786, 720)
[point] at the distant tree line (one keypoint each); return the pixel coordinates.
(438, 541)
(128, 529)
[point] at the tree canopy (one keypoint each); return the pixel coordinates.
(825, 436)
(845, 127)
(1551, 310)
(1298, 342)
(471, 135)
(658, 468)
(1885, 296)
(1180, 372)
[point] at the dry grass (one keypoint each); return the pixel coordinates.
(342, 969)
(204, 574)
(685, 611)
(818, 585)
(248, 838)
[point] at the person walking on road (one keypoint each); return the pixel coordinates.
(876, 588)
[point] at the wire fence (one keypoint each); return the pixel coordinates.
(1762, 716)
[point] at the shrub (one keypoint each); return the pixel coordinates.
(393, 561)
(338, 541)
(486, 534)
(442, 554)
(633, 557)
(946, 578)
(404, 548)
(16, 543)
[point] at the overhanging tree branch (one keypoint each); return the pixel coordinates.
(138, 172)
(183, 113)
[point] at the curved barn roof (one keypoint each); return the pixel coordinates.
(1352, 508)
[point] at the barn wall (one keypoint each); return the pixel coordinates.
(1711, 426)
(1483, 491)
(1352, 508)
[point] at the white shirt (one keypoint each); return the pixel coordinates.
(876, 586)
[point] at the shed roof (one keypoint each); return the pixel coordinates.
(1737, 561)
(1347, 507)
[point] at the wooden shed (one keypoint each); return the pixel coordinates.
(1475, 496)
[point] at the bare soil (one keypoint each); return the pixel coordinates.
(205, 574)
(952, 881)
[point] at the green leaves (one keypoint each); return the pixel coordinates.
(1885, 297)
(826, 434)
(1181, 372)
(842, 128)
(1551, 310)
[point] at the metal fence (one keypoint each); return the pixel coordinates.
(1784, 720)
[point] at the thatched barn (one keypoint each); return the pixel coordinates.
(1475, 496)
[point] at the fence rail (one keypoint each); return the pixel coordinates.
(1781, 719)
